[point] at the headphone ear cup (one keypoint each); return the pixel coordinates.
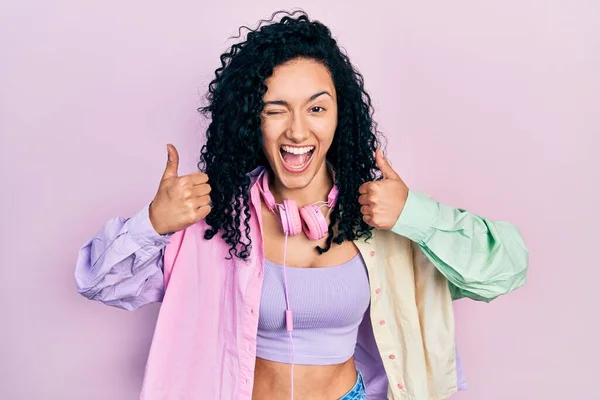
(290, 218)
(314, 222)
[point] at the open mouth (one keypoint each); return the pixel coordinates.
(296, 159)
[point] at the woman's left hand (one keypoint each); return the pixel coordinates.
(382, 201)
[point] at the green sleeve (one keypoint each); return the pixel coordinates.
(480, 258)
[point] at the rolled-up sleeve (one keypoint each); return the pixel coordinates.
(480, 258)
(121, 265)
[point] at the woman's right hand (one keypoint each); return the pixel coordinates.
(180, 201)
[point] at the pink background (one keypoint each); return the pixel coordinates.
(488, 105)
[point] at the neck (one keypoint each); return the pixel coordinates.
(316, 190)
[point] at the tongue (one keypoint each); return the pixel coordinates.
(295, 160)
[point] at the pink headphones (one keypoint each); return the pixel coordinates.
(309, 218)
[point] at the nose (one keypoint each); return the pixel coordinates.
(298, 131)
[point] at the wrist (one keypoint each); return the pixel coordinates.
(155, 226)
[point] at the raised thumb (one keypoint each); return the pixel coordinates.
(172, 162)
(384, 166)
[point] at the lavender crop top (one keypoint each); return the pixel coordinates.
(328, 305)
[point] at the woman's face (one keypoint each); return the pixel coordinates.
(298, 121)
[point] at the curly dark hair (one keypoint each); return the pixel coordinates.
(234, 141)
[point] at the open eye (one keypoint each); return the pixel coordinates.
(317, 109)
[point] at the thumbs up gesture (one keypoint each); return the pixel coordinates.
(382, 201)
(180, 201)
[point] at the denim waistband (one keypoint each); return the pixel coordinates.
(358, 390)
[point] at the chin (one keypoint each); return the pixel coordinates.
(295, 181)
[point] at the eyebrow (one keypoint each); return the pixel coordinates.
(311, 98)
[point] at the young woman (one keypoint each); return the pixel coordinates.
(298, 264)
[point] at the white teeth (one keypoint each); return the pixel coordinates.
(297, 150)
